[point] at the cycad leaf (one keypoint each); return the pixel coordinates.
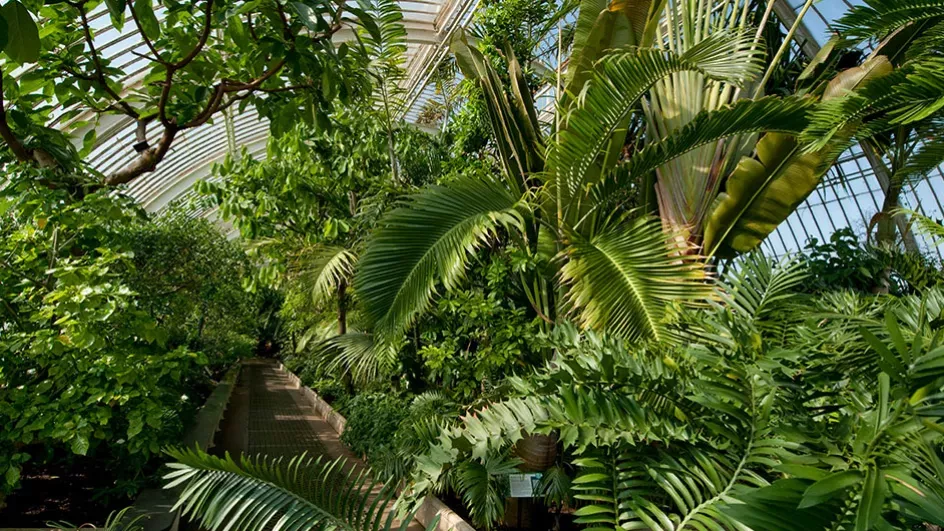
(622, 279)
(301, 493)
(425, 241)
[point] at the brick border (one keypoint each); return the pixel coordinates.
(431, 507)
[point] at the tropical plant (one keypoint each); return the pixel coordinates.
(897, 114)
(578, 206)
(200, 59)
(756, 422)
(300, 493)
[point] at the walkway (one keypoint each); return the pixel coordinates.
(268, 415)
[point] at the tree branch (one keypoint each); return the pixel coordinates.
(207, 27)
(144, 37)
(17, 147)
(146, 162)
(96, 60)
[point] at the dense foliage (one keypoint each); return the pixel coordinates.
(574, 288)
(109, 321)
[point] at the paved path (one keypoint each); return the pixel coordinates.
(268, 415)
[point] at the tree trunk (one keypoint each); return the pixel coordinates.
(342, 308)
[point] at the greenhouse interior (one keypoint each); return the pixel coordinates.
(472, 265)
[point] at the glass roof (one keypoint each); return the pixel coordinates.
(429, 25)
(849, 197)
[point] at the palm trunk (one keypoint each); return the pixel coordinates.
(342, 308)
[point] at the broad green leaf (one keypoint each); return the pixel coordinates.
(116, 10)
(829, 486)
(80, 445)
(760, 194)
(23, 41)
(144, 9)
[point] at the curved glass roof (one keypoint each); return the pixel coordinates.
(849, 197)
(429, 25)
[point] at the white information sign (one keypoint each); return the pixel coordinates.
(524, 485)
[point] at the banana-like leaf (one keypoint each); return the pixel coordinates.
(623, 278)
(760, 194)
(299, 494)
(608, 25)
(786, 115)
(764, 190)
(517, 132)
(426, 241)
(619, 81)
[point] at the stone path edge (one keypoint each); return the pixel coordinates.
(432, 506)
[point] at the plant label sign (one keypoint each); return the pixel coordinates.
(524, 485)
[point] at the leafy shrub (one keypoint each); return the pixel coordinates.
(845, 263)
(93, 362)
(372, 422)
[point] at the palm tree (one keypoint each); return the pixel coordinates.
(899, 114)
(578, 201)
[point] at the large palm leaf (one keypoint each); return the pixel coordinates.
(623, 278)
(323, 268)
(428, 240)
(620, 79)
(299, 494)
(357, 354)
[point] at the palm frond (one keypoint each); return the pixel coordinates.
(324, 268)
(908, 95)
(357, 353)
(927, 226)
(623, 278)
(770, 114)
(428, 240)
(620, 79)
(878, 18)
(298, 494)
